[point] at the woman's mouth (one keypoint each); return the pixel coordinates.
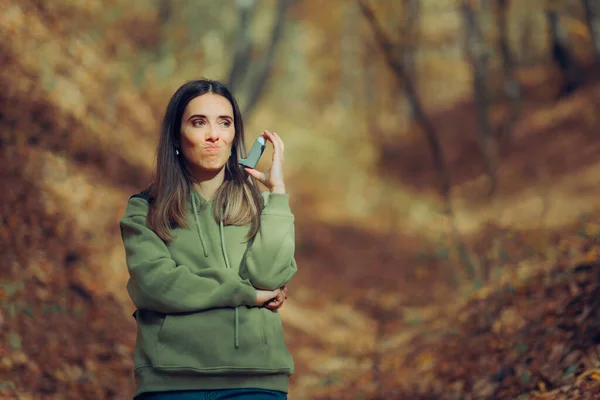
(212, 149)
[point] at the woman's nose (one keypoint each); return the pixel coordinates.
(213, 134)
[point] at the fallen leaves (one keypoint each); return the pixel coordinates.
(14, 340)
(532, 337)
(509, 322)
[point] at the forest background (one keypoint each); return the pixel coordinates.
(442, 163)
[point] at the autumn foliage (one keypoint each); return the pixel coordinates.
(406, 289)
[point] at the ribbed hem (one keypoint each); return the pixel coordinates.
(278, 204)
(148, 379)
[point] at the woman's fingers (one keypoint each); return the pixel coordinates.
(269, 136)
(273, 177)
(264, 296)
(275, 305)
(277, 302)
(279, 140)
(278, 144)
(260, 176)
(276, 141)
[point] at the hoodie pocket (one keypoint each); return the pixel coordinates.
(161, 330)
(276, 348)
(273, 328)
(205, 342)
(150, 325)
(263, 334)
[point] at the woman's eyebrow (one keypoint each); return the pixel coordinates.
(204, 116)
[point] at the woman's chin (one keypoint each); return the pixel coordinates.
(209, 168)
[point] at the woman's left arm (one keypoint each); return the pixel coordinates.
(269, 260)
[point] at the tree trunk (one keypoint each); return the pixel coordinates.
(164, 11)
(479, 59)
(396, 64)
(398, 67)
(512, 89)
(410, 28)
(347, 61)
(562, 55)
(267, 62)
(241, 56)
(593, 23)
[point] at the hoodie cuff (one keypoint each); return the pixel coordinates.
(278, 204)
(247, 296)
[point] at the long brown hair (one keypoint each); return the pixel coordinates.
(236, 202)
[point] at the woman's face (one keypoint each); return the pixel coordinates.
(207, 133)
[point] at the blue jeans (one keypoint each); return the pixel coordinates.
(225, 394)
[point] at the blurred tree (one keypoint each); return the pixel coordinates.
(593, 23)
(526, 42)
(394, 57)
(478, 54)
(561, 54)
(512, 88)
(164, 11)
(410, 28)
(243, 46)
(348, 57)
(239, 71)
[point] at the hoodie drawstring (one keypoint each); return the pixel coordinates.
(224, 250)
(195, 207)
(236, 312)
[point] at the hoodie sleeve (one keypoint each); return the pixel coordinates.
(157, 283)
(269, 260)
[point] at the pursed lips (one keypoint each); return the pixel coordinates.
(212, 149)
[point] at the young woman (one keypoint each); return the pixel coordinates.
(209, 256)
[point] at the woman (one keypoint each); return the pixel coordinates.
(209, 256)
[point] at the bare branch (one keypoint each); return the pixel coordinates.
(479, 59)
(164, 11)
(593, 23)
(409, 30)
(562, 56)
(241, 58)
(397, 64)
(267, 63)
(512, 88)
(398, 67)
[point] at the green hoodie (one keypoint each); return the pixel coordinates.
(198, 324)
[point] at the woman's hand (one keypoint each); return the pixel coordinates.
(264, 296)
(273, 177)
(277, 302)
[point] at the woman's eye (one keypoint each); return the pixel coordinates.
(226, 123)
(198, 123)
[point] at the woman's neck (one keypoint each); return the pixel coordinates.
(207, 184)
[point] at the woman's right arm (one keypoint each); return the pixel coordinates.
(157, 283)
